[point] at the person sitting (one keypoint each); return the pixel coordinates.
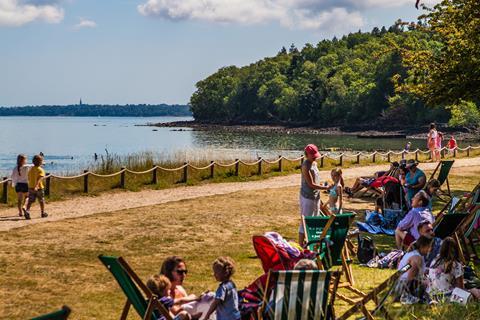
(407, 229)
(160, 286)
(425, 229)
(415, 180)
(411, 286)
(365, 182)
(431, 189)
(446, 273)
(305, 264)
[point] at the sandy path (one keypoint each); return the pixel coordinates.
(119, 200)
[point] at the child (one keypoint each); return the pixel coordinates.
(226, 297)
(452, 144)
(20, 182)
(160, 286)
(36, 187)
(336, 192)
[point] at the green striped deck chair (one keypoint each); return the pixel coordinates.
(328, 238)
(298, 295)
(469, 236)
(138, 295)
(443, 169)
(61, 314)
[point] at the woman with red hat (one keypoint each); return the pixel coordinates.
(310, 187)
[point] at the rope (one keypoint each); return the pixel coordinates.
(140, 172)
(68, 177)
(201, 168)
(5, 181)
(106, 175)
(272, 162)
(250, 164)
(227, 165)
(172, 169)
(296, 159)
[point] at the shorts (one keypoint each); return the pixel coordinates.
(21, 187)
(366, 182)
(36, 194)
(308, 208)
(408, 240)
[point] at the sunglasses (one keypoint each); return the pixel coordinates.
(179, 271)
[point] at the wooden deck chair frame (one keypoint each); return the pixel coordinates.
(465, 237)
(332, 286)
(376, 191)
(137, 287)
(361, 306)
(443, 168)
(346, 268)
(61, 314)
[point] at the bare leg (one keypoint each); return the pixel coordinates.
(399, 236)
(20, 198)
(301, 238)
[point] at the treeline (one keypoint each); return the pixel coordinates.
(357, 79)
(93, 110)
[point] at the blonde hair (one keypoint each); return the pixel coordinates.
(158, 284)
(338, 172)
(226, 264)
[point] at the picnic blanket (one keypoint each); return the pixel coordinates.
(376, 223)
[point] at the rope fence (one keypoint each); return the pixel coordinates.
(235, 166)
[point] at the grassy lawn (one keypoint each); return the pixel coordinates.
(46, 265)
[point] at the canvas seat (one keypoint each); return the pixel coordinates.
(61, 314)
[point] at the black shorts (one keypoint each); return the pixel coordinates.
(21, 187)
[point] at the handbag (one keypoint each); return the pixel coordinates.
(366, 249)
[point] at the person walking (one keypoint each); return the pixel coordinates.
(310, 188)
(20, 182)
(432, 142)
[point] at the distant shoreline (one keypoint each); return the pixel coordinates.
(363, 131)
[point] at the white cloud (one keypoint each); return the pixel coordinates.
(328, 15)
(85, 23)
(14, 13)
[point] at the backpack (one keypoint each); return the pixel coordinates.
(366, 249)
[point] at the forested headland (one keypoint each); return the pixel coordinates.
(406, 74)
(94, 110)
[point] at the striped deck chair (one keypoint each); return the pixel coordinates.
(61, 314)
(138, 295)
(467, 235)
(327, 236)
(298, 295)
(443, 169)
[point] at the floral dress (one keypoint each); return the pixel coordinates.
(440, 283)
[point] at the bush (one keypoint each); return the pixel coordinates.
(465, 113)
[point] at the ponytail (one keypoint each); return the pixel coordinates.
(20, 158)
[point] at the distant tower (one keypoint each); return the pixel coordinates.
(81, 103)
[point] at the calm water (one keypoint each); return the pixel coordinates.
(70, 142)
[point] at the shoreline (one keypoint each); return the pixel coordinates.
(360, 131)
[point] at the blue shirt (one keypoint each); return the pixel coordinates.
(227, 309)
(413, 180)
(167, 303)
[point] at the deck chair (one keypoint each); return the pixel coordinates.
(468, 235)
(327, 237)
(443, 169)
(448, 224)
(298, 294)
(61, 314)
(138, 295)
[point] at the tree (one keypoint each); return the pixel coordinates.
(464, 113)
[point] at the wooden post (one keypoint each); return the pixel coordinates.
(212, 169)
(154, 174)
(442, 153)
(185, 172)
(122, 178)
(468, 151)
(47, 184)
(280, 167)
(85, 181)
(404, 155)
(260, 160)
(321, 161)
(237, 167)
(455, 152)
(341, 160)
(416, 155)
(388, 156)
(5, 190)
(358, 158)
(374, 156)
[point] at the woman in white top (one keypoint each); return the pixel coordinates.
(411, 283)
(20, 182)
(432, 142)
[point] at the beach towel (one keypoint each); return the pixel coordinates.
(376, 223)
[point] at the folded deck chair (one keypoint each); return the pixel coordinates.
(138, 295)
(61, 314)
(327, 237)
(443, 169)
(298, 294)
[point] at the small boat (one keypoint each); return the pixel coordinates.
(381, 136)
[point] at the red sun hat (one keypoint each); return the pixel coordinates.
(312, 150)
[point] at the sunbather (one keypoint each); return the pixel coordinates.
(415, 180)
(425, 229)
(365, 182)
(407, 228)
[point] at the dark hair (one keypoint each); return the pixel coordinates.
(395, 164)
(169, 265)
(434, 183)
(424, 197)
(432, 126)
(421, 243)
(448, 254)
(423, 223)
(37, 160)
(20, 157)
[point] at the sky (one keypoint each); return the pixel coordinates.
(154, 51)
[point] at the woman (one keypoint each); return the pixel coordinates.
(20, 182)
(432, 142)
(415, 180)
(310, 188)
(431, 189)
(411, 283)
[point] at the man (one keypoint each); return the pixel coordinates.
(425, 228)
(407, 228)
